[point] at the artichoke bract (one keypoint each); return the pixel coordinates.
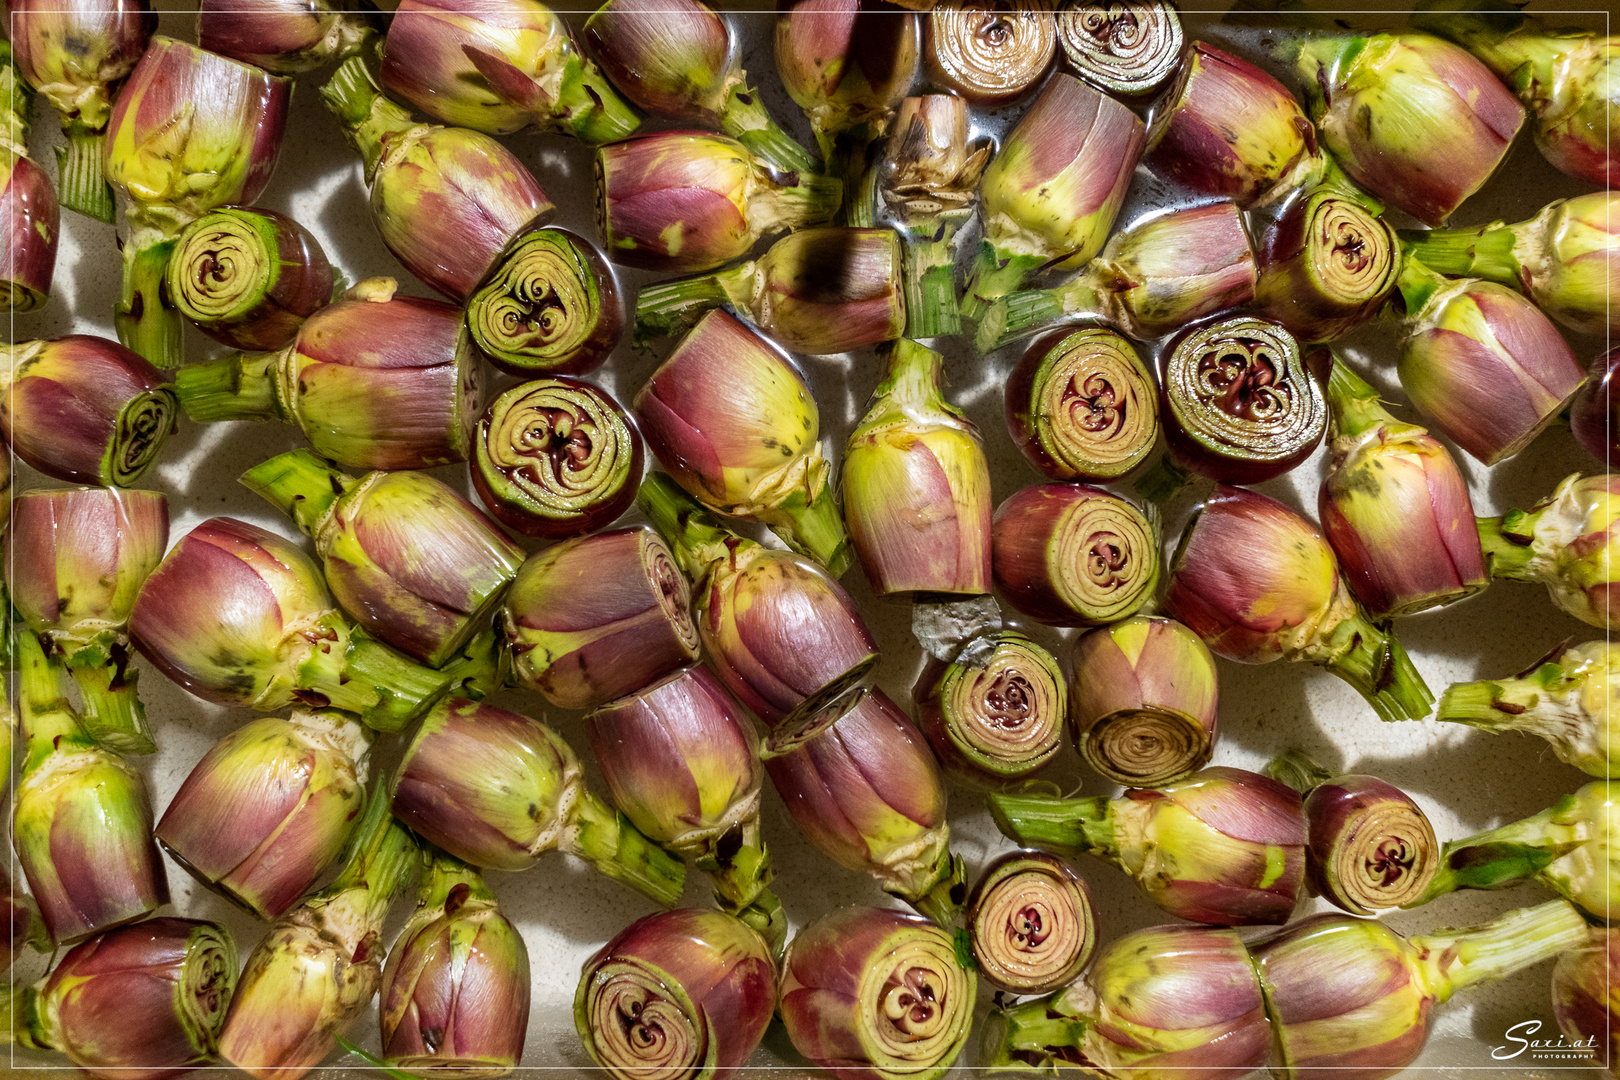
(81, 819)
(1584, 997)
(498, 790)
(1166, 1003)
(287, 37)
(780, 631)
(1566, 542)
(733, 421)
(248, 278)
(1566, 258)
(29, 210)
(76, 560)
(499, 67)
(1326, 265)
(598, 618)
(549, 305)
(405, 556)
(140, 1002)
(1050, 196)
(1158, 275)
(190, 132)
(685, 201)
(1594, 414)
(446, 200)
(679, 60)
(818, 291)
(875, 994)
(989, 51)
(861, 783)
(1395, 507)
(238, 616)
(678, 993)
(1143, 701)
(1444, 121)
(1224, 846)
(995, 713)
(1259, 583)
(1074, 555)
(374, 381)
(916, 485)
(1566, 78)
(77, 54)
(1030, 922)
(1571, 699)
(455, 992)
(1569, 848)
(1082, 405)
(317, 968)
(1129, 49)
(683, 765)
(1355, 997)
(84, 409)
(269, 807)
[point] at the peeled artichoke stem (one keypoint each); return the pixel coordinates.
(146, 320)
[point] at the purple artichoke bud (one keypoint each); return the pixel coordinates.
(140, 1002)
(989, 51)
(406, 556)
(287, 37)
(865, 789)
(175, 161)
(876, 994)
(1586, 996)
(498, 790)
(995, 713)
(1031, 924)
(1564, 258)
(1050, 197)
(1259, 583)
(375, 381)
(1571, 698)
(1229, 129)
(455, 994)
(1395, 507)
(916, 485)
(1074, 555)
(239, 616)
(817, 291)
(685, 201)
(1567, 542)
(556, 457)
(1082, 405)
(317, 968)
(679, 60)
(732, 419)
(1327, 264)
(683, 765)
(676, 993)
(1224, 846)
(1355, 997)
(598, 618)
(549, 306)
(81, 820)
(1143, 703)
(782, 634)
(446, 200)
(1593, 414)
(269, 807)
(1166, 1003)
(76, 560)
(499, 67)
(32, 217)
(1129, 49)
(77, 54)
(248, 278)
(84, 409)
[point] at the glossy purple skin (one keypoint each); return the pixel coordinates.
(670, 57)
(1026, 529)
(284, 36)
(675, 201)
(1594, 415)
(85, 550)
(1584, 985)
(30, 223)
(1328, 809)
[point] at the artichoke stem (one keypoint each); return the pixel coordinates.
(815, 529)
(671, 308)
(846, 161)
(596, 113)
(1457, 960)
(354, 97)
(1485, 704)
(605, 838)
(1064, 827)
(385, 688)
(81, 185)
(995, 274)
(1163, 482)
(815, 198)
(1298, 770)
(1417, 283)
(46, 716)
(1370, 659)
(113, 714)
(694, 536)
(1484, 252)
(300, 485)
(933, 308)
(146, 318)
(241, 386)
(741, 874)
(482, 667)
(1506, 556)
(381, 859)
(1503, 856)
(1355, 404)
(766, 917)
(943, 901)
(745, 118)
(442, 873)
(1027, 312)
(1028, 1034)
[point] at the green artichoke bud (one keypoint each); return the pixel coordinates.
(1567, 541)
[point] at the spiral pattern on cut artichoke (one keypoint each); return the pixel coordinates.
(1108, 561)
(1384, 856)
(642, 1027)
(1031, 923)
(142, 426)
(550, 307)
(1126, 47)
(1006, 714)
(221, 269)
(1096, 409)
(991, 50)
(207, 976)
(1352, 251)
(674, 593)
(916, 1004)
(1146, 747)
